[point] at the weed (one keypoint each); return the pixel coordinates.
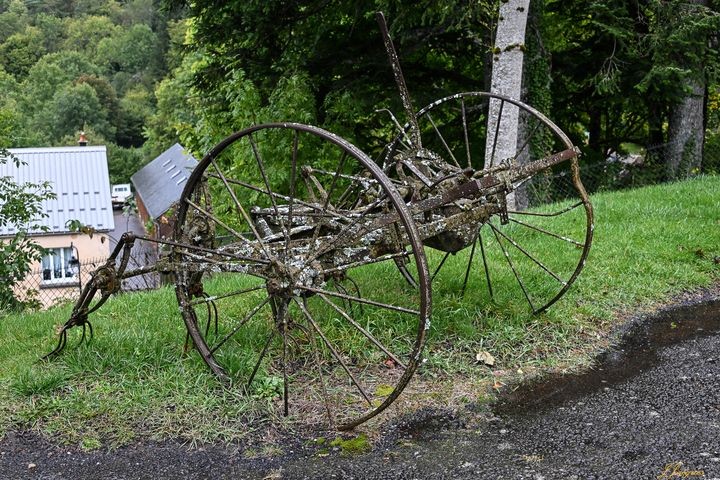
(352, 446)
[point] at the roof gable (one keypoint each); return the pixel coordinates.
(161, 182)
(78, 176)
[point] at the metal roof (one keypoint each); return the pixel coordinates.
(160, 182)
(78, 176)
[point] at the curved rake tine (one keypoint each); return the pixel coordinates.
(357, 289)
(341, 288)
(89, 326)
(62, 341)
(212, 313)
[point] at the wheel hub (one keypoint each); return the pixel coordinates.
(287, 279)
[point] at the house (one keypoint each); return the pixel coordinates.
(158, 186)
(79, 178)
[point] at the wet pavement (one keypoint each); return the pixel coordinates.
(650, 410)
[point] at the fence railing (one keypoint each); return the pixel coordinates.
(616, 172)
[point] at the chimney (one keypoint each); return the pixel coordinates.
(82, 141)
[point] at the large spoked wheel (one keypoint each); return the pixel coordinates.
(538, 249)
(287, 243)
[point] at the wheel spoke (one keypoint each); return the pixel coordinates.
(240, 208)
(485, 265)
(535, 260)
(467, 270)
(546, 232)
(334, 352)
(359, 327)
(326, 202)
(277, 196)
(497, 132)
(340, 235)
(261, 166)
(442, 140)
(369, 261)
(266, 345)
(293, 174)
(360, 300)
(323, 382)
(240, 325)
(223, 224)
(553, 214)
(526, 142)
(211, 298)
(260, 261)
(512, 267)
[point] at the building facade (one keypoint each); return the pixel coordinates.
(79, 178)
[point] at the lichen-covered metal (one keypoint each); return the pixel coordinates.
(289, 239)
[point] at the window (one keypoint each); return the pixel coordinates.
(60, 265)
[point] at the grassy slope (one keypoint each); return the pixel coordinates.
(132, 380)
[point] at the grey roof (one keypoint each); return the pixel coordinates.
(79, 178)
(160, 182)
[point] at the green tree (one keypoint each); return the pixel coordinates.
(135, 109)
(85, 33)
(21, 51)
(20, 207)
(74, 108)
(132, 50)
(53, 31)
(14, 20)
(686, 57)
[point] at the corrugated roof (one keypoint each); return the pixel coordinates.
(160, 182)
(79, 177)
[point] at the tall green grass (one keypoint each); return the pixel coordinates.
(133, 378)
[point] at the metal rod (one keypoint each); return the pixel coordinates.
(359, 300)
(359, 327)
(400, 81)
(332, 350)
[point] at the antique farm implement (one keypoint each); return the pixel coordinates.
(300, 262)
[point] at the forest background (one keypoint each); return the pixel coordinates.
(139, 75)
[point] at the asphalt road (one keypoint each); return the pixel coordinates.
(651, 410)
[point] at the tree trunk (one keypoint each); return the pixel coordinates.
(506, 80)
(686, 129)
(686, 134)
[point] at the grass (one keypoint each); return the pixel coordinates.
(133, 381)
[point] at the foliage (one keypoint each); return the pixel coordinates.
(620, 67)
(82, 65)
(332, 54)
(21, 207)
